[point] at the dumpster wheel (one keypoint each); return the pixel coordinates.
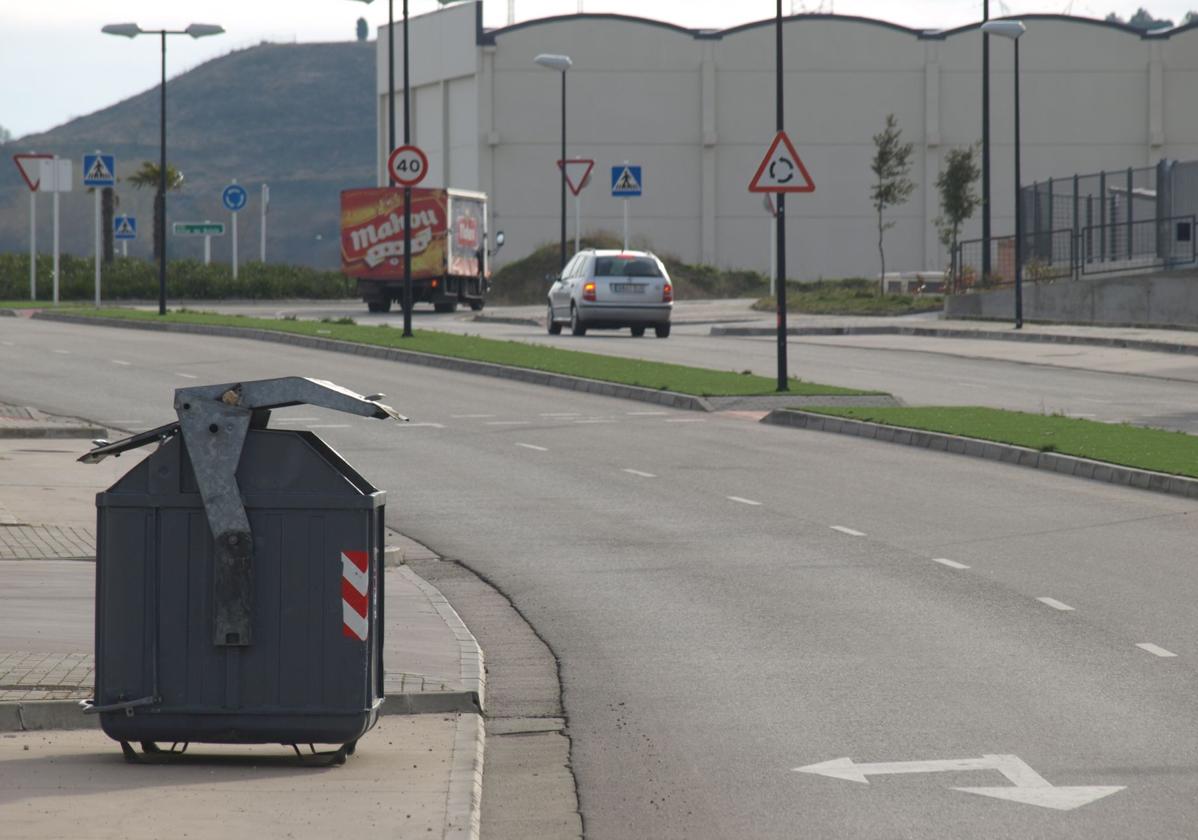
(325, 759)
(151, 753)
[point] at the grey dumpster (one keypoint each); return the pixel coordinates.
(239, 594)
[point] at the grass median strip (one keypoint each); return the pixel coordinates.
(1140, 447)
(624, 371)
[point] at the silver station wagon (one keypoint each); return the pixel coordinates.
(612, 290)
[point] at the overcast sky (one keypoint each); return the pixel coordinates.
(56, 64)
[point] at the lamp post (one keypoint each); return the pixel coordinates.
(132, 30)
(561, 63)
(985, 143)
(407, 139)
(1013, 29)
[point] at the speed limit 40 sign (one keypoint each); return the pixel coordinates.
(408, 165)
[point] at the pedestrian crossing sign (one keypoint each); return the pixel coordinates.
(98, 170)
(124, 227)
(626, 181)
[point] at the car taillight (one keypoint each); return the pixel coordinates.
(435, 283)
(588, 292)
(667, 293)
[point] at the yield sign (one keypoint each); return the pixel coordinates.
(781, 170)
(31, 168)
(578, 172)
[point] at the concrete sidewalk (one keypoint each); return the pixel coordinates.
(417, 773)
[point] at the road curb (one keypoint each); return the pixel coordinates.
(669, 399)
(463, 803)
(49, 431)
(473, 671)
(1174, 485)
(957, 332)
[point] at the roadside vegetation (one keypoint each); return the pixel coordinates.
(523, 281)
(850, 296)
(1141, 447)
(137, 279)
(644, 374)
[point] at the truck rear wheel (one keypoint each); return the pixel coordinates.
(477, 305)
(452, 306)
(379, 305)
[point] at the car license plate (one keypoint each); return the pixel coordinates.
(636, 288)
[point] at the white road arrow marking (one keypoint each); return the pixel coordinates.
(1029, 788)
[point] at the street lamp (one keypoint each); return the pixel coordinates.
(132, 30)
(561, 63)
(1013, 29)
(407, 139)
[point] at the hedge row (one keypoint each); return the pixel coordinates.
(136, 279)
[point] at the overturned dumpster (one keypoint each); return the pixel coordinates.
(239, 592)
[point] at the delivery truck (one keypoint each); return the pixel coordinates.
(450, 256)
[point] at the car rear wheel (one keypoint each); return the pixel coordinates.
(662, 330)
(379, 305)
(637, 332)
(553, 327)
(452, 306)
(576, 325)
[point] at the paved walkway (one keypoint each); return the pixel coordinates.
(418, 773)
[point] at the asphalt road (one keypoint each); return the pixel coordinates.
(730, 601)
(1113, 385)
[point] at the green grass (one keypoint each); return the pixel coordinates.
(850, 296)
(1130, 446)
(644, 374)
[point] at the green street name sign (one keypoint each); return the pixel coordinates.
(199, 228)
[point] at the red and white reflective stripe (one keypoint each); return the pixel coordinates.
(355, 582)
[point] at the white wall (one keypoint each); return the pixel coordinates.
(696, 111)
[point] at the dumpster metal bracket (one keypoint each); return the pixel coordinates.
(214, 421)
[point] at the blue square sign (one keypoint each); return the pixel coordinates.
(99, 170)
(626, 181)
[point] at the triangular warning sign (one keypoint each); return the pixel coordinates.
(578, 172)
(98, 171)
(626, 180)
(30, 167)
(781, 170)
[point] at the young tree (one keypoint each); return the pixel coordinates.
(957, 198)
(362, 30)
(147, 176)
(892, 185)
(5, 134)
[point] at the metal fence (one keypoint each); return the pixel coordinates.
(1049, 255)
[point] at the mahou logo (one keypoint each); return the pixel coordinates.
(467, 232)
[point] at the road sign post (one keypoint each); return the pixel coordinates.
(577, 172)
(234, 198)
(30, 167)
(99, 171)
(781, 171)
(408, 165)
(262, 230)
(626, 182)
(124, 228)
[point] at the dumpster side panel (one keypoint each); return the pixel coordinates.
(121, 672)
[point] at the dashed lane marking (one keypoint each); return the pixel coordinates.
(686, 420)
(420, 425)
(533, 447)
(470, 416)
(186, 375)
(508, 422)
(646, 413)
(850, 531)
(743, 500)
(1155, 650)
(1055, 604)
(561, 414)
(121, 362)
(329, 426)
(638, 472)
(952, 564)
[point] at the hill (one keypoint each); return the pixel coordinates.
(297, 117)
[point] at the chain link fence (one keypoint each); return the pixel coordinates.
(1099, 223)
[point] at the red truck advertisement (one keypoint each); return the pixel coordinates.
(449, 246)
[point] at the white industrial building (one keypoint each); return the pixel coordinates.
(695, 108)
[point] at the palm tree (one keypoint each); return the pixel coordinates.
(148, 176)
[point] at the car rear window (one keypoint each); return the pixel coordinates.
(626, 267)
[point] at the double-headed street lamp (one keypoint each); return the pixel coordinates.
(1013, 29)
(561, 63)
(132, 30)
